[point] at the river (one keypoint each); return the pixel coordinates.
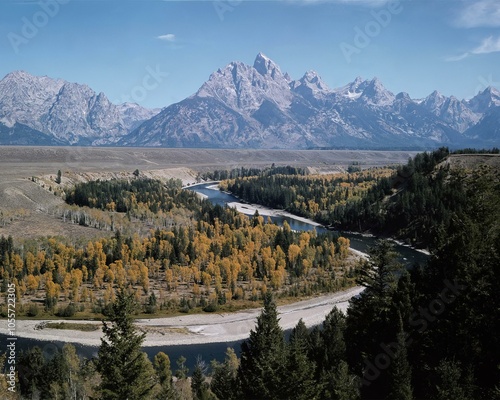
(216, 351)
(408, 255)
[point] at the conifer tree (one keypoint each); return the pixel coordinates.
(126, 372)
(344, 385)
(300, 383)
(400, 371)
(161, 365)
(199, 387)
(261, 371)
(224, 382)
(449, 387)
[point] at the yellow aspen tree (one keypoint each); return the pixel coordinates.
(304, 239)
(218, 283)
(32, 283)
(169, 277)
(268, 261)
(144, 278)
(109, 275)
(99, 277)
(40, 260)
(263, 289)
(76, 283)
(344, 244)
(20, 288)
(206, 279)
(85, 294)
(226, 269)
(196, 289)
(66, 284)
(293, 254)
(121, 274)
(17, 264)
(185, 275)
(30, 263)
(280, 257)
(85, 273)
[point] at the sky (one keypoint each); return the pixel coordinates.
(156, 52)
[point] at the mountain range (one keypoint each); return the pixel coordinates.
(243, 106)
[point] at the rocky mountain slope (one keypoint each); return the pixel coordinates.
(42, 110)
(260, 106)
(243, 106)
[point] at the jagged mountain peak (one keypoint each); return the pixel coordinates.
(403, 96)
(265, 66)
(435, 95)
(310, 86)
(20, 74)
(312, 77)
(483, 101)
(434, 101)
(245, 106)
(354, 89)
(72, 113)
(375, 93)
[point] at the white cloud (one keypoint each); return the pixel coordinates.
(457, 58)
(169, 37)
(481, 13)
(487, 46)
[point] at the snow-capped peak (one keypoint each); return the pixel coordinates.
(375, 93)
(352, 90)
(265, 66)
(310, 85)
(490, 97)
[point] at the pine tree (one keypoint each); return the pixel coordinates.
(261, 371)
(400, 371)
(199, 387)
(344, 386)
(449, 387)
(336, 382)
(300, 383)
(59, 177)
(161, 365)
(224, 382)
(333, 339)
(126, 372)
(369, 317)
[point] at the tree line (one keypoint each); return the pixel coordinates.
(310, 196)
(243, 172)
(217, 258)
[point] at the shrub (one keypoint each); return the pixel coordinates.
(32, 310)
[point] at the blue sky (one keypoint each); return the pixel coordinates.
(158, 52)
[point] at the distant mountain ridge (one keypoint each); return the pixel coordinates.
(243, 106)
(53, 111)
